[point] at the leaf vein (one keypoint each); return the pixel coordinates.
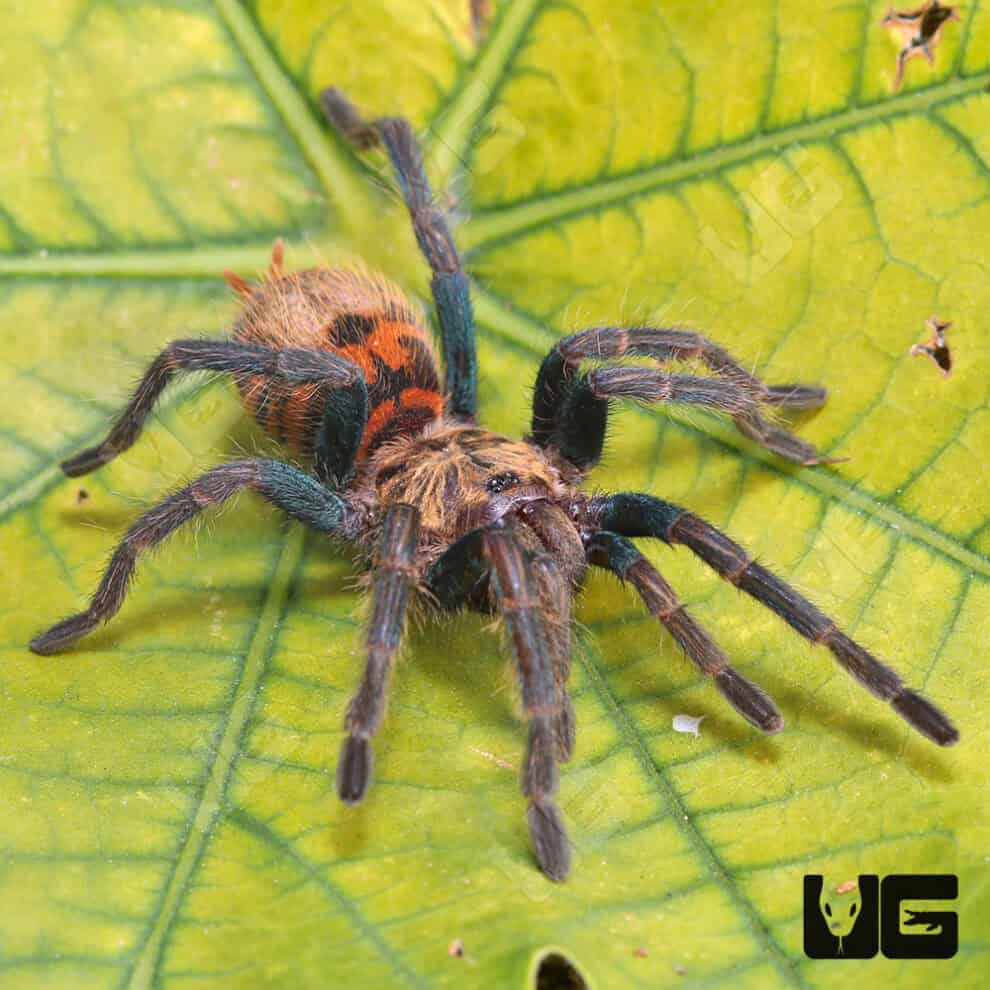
(685, 820)
(201, 827)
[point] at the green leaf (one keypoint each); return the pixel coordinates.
(167, 785)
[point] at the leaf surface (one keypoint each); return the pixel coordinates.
(167, 785)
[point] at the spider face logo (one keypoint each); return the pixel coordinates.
(900, 917)
(841, 909)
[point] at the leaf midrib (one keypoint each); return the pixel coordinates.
(522, 332)
(455, 125)
(341, 179)
(212, 798)
(495, 226)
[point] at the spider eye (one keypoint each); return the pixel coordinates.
(852, 910)
(828, 909)
(502, 481)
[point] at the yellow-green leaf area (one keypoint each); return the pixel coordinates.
(344, 44)
(156, 98)
(167, 785)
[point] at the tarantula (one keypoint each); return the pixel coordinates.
(338, 366)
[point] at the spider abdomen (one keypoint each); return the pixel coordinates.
(357, 316)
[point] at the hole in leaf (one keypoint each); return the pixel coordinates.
(555, 972)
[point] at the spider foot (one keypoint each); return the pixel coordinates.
(549, 837)
(753, 703)
(62, 634)
(796, 396)
(85, 461)
(354, 769)
(346, 119)
(754, 426)
(925, 717)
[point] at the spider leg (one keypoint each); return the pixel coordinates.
(301, 496)
(570, 409)
(527, 591)
(461, 577)
(783, 443)
(344, 417)
(797, 397)
(556, 599)
(618, 555)
(394, 575)
(517, 593)
(642, 515)
(451, 293)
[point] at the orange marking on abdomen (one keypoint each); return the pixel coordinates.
(379, 417)
(296, 414)
(421, 398)
(360, 355)
(385, 349)
(387, 342)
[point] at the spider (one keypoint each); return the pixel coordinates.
(339, 367)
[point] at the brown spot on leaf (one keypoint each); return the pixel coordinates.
(936, 348)
(920, 30)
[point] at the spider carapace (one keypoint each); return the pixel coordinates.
(338, 366)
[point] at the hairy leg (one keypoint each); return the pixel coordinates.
(570, 409)
(517, 593)
(394, 575)
(301, 496)
(555, 597)
(450, 286)
(461, 578)
(642, 515)
(529, 595)
(341, 430)
(618, 555)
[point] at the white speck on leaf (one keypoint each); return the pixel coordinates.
(687, 723)
(498, 761)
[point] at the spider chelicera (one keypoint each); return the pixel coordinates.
(338, 366)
